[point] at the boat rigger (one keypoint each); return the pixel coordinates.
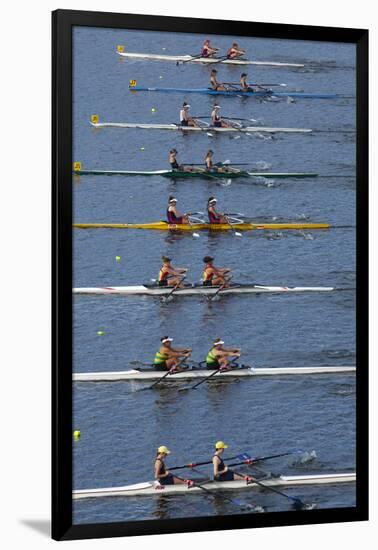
(192, 374)
(165, 226)
(196, 59)
(152, 488)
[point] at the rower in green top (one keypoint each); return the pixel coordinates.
(169, 358)
(219, 357)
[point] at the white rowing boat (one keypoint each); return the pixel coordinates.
(153, 290)
(194, 59)
(178, 127)
(152, 488)
(151, 374)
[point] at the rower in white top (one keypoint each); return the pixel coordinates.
(185, 118)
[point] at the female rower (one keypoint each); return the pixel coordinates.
(169, 358)
(214, 216)
(175, 165)
(217, 358)
(162, 475)
(169, 275)
(221, 471)
(244, 84)
(214, 84)
(185, 119)
(216, 119)
(208, 50)
(214, 276)
(173, 216)
(234, 52)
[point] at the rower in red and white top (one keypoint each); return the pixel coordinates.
(173, 216)
(214, 216)
(234, 52)
(185, 118)
(208, 50)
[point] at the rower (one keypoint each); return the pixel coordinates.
(217, 358)
(162, 475)
(185, 119)
(208, 50)
(169, 358)
(214, 276)
(216, 119)
(221, 471)
(173, 216)
(175, 165)
(244, 84)
(234, 52)
(169, 275)
(214, 84)
(214, 216)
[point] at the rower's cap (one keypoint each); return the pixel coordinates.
(216, 106)
(208, 259)
(166, 339)
(212, 199)
(164, 449)
(172, 199)
(218, 342)
(221, 445)
(166, 259)
(186, 105)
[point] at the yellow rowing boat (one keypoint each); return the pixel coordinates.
(164, 226)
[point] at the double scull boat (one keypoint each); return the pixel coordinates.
(151, 374)
(177, 127)
(152, 488)
(165, 226)
(193, 290)
(196, 59)
(233, 93)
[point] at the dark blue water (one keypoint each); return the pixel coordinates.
(120, 428)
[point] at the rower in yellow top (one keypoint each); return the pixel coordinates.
(234, 52)
(218, 356)
(221, 471)
(161, 474)
(215, 276)
(185, 118)
(169, 358)
(169, 275)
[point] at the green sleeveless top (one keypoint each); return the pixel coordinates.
(160, 359)
(211, 359)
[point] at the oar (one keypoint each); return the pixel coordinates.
(297, 501)
(236, 233)
(239, 503)
(186, 388)
(188, 60)
(171, 372)
(174, 288)
(219, 59)
(247, 459)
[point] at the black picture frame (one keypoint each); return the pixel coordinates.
(62, 23)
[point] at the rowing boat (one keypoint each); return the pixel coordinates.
(151, 488)
(178, 127)
(193, 59)
(195, 174)
(151, 374)
(193, 290)
(165, 226)
(233, 93)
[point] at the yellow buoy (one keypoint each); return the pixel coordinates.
(142, 148)
(118, 258)
(76, 434)
(153, 110)
(100, 332)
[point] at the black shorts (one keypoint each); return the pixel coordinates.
(168, 480)
(164, 282)
(207, 283)
(184, 123)
(227, 476)
(212, 366)
(217, 124)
